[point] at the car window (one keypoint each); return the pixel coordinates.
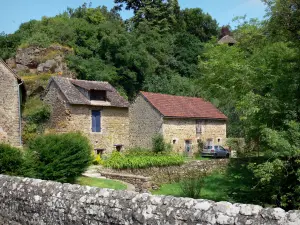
(221, 148)
(216, 147)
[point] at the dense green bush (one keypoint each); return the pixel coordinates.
(121, 161)
(159, 144)
(10, 160)
(59, 157)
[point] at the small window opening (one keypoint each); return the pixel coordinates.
(98, 95)
(118, 147)
(99, 151)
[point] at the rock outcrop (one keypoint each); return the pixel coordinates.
(36, 60)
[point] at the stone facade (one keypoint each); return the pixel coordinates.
(146, 122)
(36, 202)
(178, 131)
(67, 117)
(10, 131)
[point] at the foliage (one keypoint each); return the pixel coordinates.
(154, 50)
(97, 160)
(159, 144)
(191, 186)
(120, 161)
(101, 183)
(200, 145)
(58, 157)
(36, 113)
(139, 152)
(10, 160)
(238, 145)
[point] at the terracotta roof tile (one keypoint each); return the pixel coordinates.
(183, 107)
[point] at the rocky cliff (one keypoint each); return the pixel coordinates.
(36, 60)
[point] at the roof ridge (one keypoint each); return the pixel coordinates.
(10, 69)
(175, 95)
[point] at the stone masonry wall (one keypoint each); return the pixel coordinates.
(180, 130)
(169, 174)
(36, 202)
(67, 118)
(145, 122)
(140, 183)
(9, 107)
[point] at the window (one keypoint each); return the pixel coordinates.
(96, 121)
(199, 126)
(98, 95)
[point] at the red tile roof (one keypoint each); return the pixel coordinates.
(183, 107)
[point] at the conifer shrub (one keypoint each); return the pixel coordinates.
(10, 160)
(58, 157)
(159, 144)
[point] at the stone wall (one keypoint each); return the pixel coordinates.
(36, 202)
(161, 175)
(67, 118)
(9, 107)
(177, 131)
(145, 123)
(141, 183)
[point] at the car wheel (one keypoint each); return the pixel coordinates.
(227, 155)
(215, 155)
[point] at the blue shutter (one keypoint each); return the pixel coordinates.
(96, 121)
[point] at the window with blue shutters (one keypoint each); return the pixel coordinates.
(96, 121)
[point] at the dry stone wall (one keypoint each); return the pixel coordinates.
(161, 175)
(36, 202)
(9, 107)
(145, 123)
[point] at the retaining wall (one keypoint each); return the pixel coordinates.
(161, 175)
(31, 201)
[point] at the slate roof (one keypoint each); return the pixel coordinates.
(74, 96)
(227, 40)
(183, 107)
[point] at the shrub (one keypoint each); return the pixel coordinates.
(36, 111)
(97, 160)
(120, 161)
(191, 186)
(58, 157)
(159, 144)
(138, 152)
(10, 160)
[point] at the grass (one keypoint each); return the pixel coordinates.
(215, 188)
(101, 183)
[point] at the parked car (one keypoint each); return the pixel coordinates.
(216, 151)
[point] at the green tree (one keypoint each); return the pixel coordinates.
(200, 24)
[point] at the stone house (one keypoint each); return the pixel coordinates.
(94, 108)
(183, 121)
(12, 93)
